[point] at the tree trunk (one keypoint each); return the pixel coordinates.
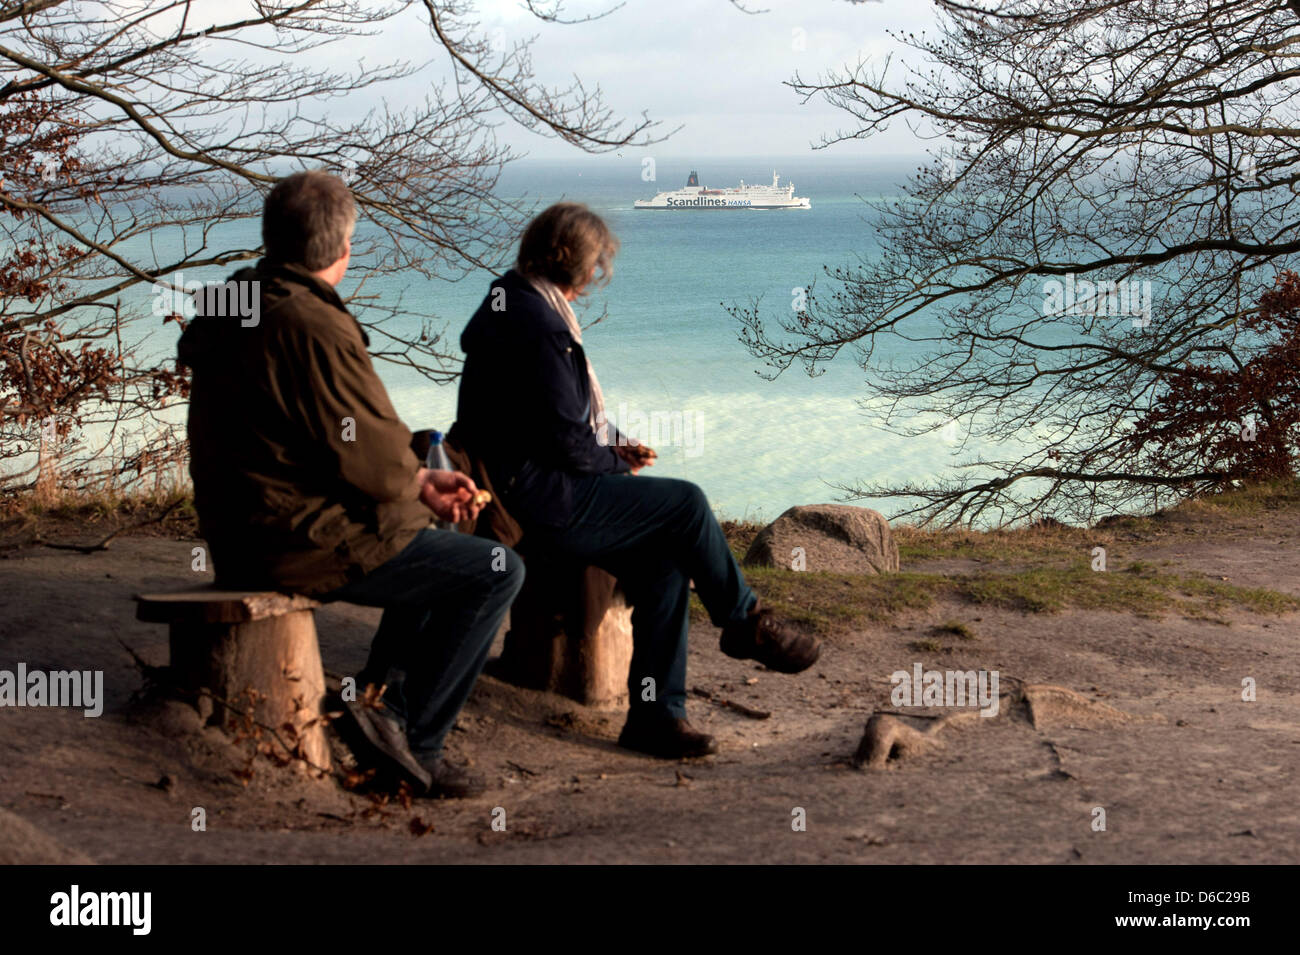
(570, 633)
(251, 653)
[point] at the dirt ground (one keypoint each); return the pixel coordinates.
(1197, 775)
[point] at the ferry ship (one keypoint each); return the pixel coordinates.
(695, 196)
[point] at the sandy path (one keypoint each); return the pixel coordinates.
(1201, 777)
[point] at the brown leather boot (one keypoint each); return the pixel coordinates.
(765, 637)
(448, 781)
(667, 738)
(378, 740)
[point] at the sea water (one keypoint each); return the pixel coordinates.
(668, 354)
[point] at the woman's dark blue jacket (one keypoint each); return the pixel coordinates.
(524, 403)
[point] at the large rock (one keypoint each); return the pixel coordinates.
(834, 537)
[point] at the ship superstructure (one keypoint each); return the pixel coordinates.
(695, 196)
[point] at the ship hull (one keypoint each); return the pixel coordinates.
(686, 206)
(695, 198)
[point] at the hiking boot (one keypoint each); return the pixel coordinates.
(448, 781)
(667, 738)
(765, 637)
(384, 741)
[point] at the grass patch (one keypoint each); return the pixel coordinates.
(830, 601)
(960, 630)
(740, 534)
(94, 505)
(1139, 589)
(1249, 499)
(80, 516)
(1061, 544)
(1011, 546)
(926, 646)
(826, 603)
(1040, 569)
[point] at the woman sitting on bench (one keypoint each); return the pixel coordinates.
(531, 409)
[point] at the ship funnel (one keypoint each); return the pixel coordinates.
(693, 179)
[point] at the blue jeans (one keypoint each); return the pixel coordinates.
(444, 597)
(655, 535)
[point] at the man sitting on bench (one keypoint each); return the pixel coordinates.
(304, 481)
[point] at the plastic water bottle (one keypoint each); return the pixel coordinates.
(437, 456)
(438, 461)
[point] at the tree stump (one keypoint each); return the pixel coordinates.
(247, 651)
(570, 633)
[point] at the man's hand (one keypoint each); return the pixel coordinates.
(637, 455)
(449, 494)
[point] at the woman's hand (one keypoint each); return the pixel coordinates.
(637, 455)
(449, 494)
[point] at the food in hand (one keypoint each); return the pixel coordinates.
(482, 498)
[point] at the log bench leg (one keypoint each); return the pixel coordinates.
(570, 633)
(599, 657)
(277, 657)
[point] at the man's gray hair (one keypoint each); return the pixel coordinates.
(308, 220)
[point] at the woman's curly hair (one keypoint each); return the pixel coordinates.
(568, 244)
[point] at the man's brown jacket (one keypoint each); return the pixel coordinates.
(303, 474)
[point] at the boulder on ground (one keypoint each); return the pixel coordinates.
(833, 537)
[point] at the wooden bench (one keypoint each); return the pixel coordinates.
(570, 633)
(228, 642)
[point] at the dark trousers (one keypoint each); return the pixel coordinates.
(655, 535)
(444, 597)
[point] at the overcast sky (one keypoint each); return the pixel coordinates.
(702, 65)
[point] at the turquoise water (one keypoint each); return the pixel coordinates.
(668, 347)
